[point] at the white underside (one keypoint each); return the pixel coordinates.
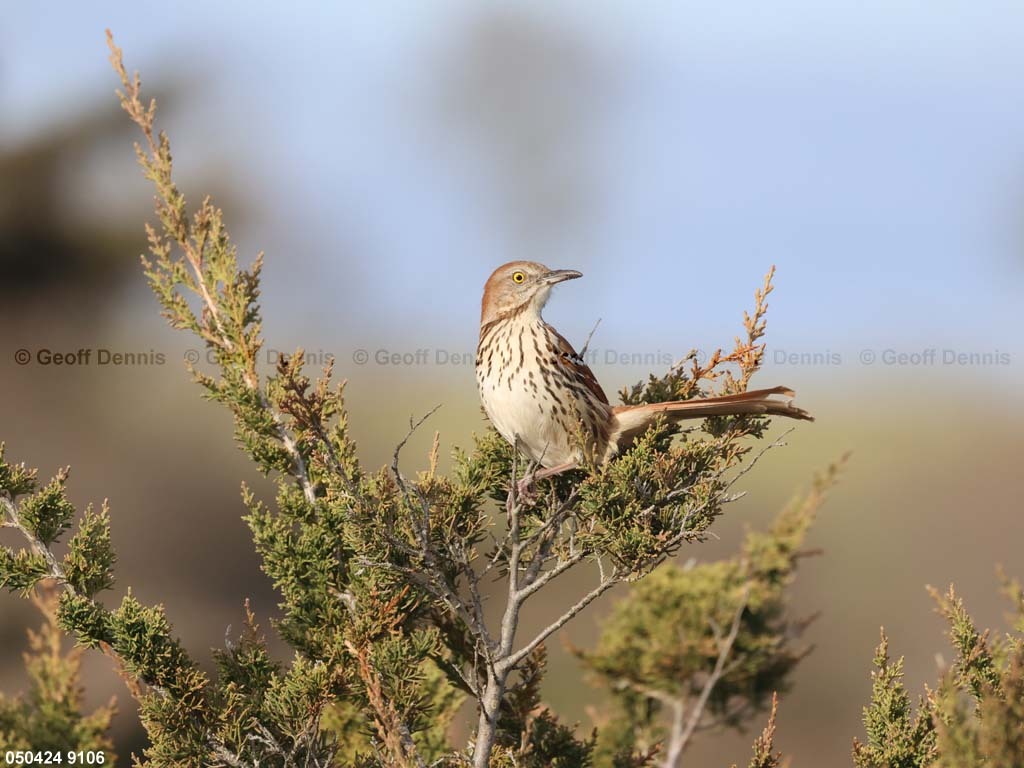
(524, 416)
(516, 416)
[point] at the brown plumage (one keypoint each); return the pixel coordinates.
(538, 392)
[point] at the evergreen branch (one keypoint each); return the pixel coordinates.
(765, 755)
(50, 712)
(57, 574)
(393, 732)
(435, 585)
(38, 547)
(413, 426)
(157, 672)
(722, 498)
(192, 240)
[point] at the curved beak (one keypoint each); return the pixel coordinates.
(560, 275)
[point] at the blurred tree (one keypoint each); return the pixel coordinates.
(704, 646)
(50, 713)
(530, 99)
(46, 245)
(42, 245)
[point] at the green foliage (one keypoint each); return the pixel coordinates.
(765, 755)
(974, 718)
(85, 619)
(635, 503)
(43, 514)
(20, 571)
(47, 513)
(715, 634)
(529, 734)
(89, 562)
(49, 715)
(897, 738)
(546, 743)
(976, 669)
(15, 479)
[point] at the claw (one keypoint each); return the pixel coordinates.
(526, 489)
(526, 492)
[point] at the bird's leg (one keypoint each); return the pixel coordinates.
(556, 470)
(526, 485)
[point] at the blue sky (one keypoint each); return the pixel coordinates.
(874, 151)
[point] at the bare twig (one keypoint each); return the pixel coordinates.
(586, 344)
(607, 583)
(413, 426)
(683, 724)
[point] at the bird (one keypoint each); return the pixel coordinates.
(541, 396)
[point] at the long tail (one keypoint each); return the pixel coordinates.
(632, 420)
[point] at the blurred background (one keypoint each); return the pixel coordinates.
(388, 156)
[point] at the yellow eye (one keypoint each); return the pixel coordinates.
(518, 277)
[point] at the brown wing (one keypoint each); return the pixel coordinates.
(574, 363)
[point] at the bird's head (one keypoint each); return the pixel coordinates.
(520, 286)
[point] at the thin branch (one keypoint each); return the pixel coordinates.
(557, 518)
(499, 550)
(56, 572)
(779, 442)
(435, 586)
(513, 659)
(682, 730)
(413, 426)
(721, 498)
(553, 573)
(228, 757)
(586, 344)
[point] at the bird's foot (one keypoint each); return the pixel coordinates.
(526, 487)
(525, 491)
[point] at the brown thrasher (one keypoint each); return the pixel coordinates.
(538, 392)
